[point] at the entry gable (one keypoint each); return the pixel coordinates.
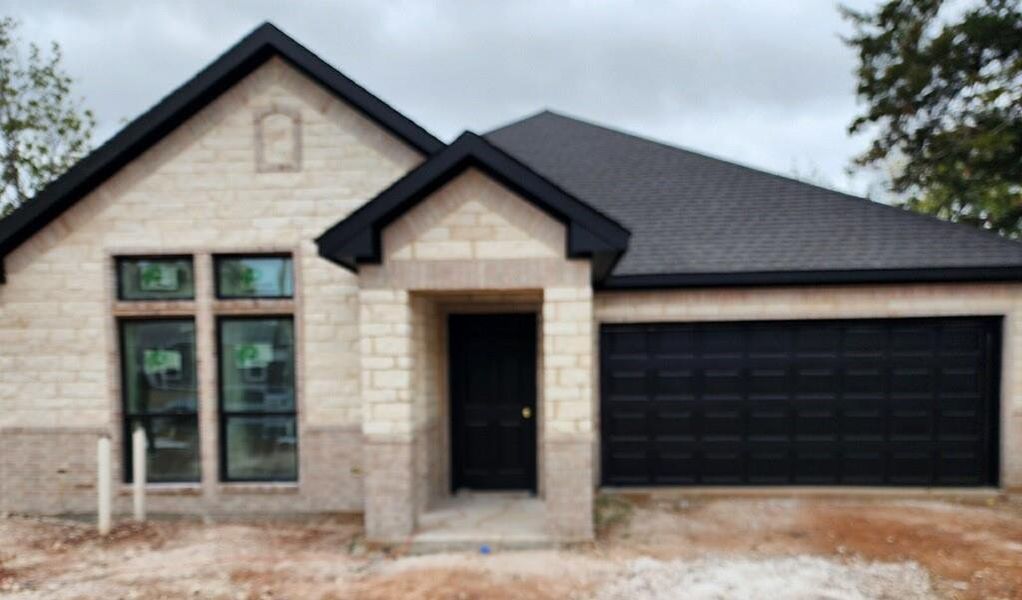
(473, 217)
(472, 160)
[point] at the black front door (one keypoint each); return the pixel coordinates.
(493, 401)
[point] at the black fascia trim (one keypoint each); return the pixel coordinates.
(821, 277)
(244, 57)
(356, 239)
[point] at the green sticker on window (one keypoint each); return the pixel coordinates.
(158, 277)
(251, 356)
(158, 362)
(248, 279)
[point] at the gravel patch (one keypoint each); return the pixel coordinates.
(790, 578)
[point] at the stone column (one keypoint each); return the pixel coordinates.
(568, 348)
(387, 413)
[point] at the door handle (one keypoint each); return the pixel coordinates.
(526, 412)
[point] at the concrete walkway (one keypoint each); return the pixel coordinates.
(468, 521)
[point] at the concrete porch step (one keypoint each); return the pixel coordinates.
(468, 522)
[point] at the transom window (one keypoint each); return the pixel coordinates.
(155, 278)
(254, 277)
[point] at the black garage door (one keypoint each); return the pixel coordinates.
(859, 402)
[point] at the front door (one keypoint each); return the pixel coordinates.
(493, 401)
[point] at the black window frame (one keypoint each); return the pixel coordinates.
(120, 260)
(128, 417)
(223, 416)
(219, 258)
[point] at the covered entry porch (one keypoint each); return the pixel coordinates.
(478, 407)
(470, 232)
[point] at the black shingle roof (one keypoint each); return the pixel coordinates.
(697, 215)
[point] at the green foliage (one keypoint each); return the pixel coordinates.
(43, 131)
(942, 85)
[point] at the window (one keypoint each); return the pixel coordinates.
(254, 277)
(160, 392)
(257, 427)
(161, 278)
(258, 433)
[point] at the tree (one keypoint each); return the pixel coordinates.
(942, 84)
(43, 130)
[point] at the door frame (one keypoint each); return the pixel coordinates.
(454, 399)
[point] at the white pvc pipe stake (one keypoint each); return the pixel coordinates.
(103, 485)
(138, 472)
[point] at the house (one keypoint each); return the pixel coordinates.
(312, 304)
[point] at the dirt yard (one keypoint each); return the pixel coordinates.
(838, 549)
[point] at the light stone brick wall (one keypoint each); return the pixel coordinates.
(472, 242)
(846, 302)
(197, 190)
(473, 217)
(569, 397)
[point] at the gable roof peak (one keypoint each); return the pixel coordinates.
(241, 59)
(357, 238)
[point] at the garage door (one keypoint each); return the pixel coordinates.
(858, 402)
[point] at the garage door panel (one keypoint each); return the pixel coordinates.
(959, 425)
(861, 402)
(961, 463)
(675, 382)
(911, 464)
(863, 463)
(812, 340)
(769, 420)
(675, 462)
(625, 422)
(769, 463)
(863, 380)
(912, 381)
(767, 342)
(961, 340)
(722, 383)
(912, 340)
(768, 381)
(815, 463)
(960, 380)
(722, 464)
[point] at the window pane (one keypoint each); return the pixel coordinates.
(254, 277)
(172, 453)
(262, 448)
(257, 365)
(156, 279)
(158, 360)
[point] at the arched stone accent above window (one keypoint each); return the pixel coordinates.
(278, 139)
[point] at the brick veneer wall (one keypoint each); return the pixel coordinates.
(199, 190)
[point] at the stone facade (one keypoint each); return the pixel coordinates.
(472, 245)
(203, 189)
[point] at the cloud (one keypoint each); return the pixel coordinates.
(764, 83)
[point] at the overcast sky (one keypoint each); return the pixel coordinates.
(763, 82)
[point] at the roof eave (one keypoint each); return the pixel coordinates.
(1000, 273)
